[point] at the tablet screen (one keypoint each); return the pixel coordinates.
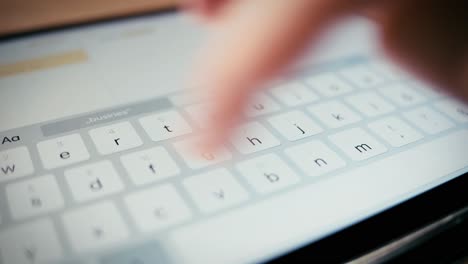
(94, 123)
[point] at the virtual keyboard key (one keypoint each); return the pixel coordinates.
(261, 104)
(33, 197)
(370, 104)
(157, 208)
(195, 158)
(334, 114)
(395, 131)
(357, 144)
(253, 137)
(94, 227)
(293, 94)
(402, 95)
(165, 125)
(314, 158)
(455, 110)
(62, 151)
(362, 76)
(115, 138)
(15, 163)
(428, 120)
(329, 84)
(268, 173)
(215, 190)
(93, 181)
(149, 165)
(34, 242)
(295, 125)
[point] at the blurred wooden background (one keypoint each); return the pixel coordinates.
(17, 16)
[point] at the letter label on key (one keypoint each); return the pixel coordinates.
(94, 227)
(149, 165)
(253, 137)
(34, 242)
(157, 208)
(334, 114)
(35, 196)
(215, 190)
(362, 147)
(15, 163)
(320, 162)
(115, 138)
(92, 181)
(315, 158)
(395, 131)
(267, 173)
(357, 144)
(199, 159)
(12, 139)
(165, 125)
(62, 151)
(295, 125)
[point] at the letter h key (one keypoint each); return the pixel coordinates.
(253, 137)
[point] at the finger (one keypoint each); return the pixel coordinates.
(252, 42)
(431, 42)
(204, 8)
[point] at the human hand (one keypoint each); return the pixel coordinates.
(256, 39)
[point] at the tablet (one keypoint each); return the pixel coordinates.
(342, 155)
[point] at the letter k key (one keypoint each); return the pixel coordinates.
(338, 117)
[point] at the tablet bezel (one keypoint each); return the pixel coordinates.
(383, 228)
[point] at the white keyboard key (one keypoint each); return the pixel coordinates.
(115, 138)
(357, 144)
(268, 173)
(93, 181)
(295, 125)
(261, 104)
(149, 165)
(370, 104)
(293, 94)
(215, 190)
(165, 125)
(62, 151)
(395, 131)
(389, 71)
(455, 110)
(428, 120)
(157, 208)
(94, 227)
(253, 137)
(201, 114)
(329, 84)
(315, 158)
(33, 197)
(197, 159)
(402, 95)
(427, 89)
(334, 114)
(362, 76)
(34, 242)
(15, 163)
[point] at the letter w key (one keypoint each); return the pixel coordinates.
(15, 163)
